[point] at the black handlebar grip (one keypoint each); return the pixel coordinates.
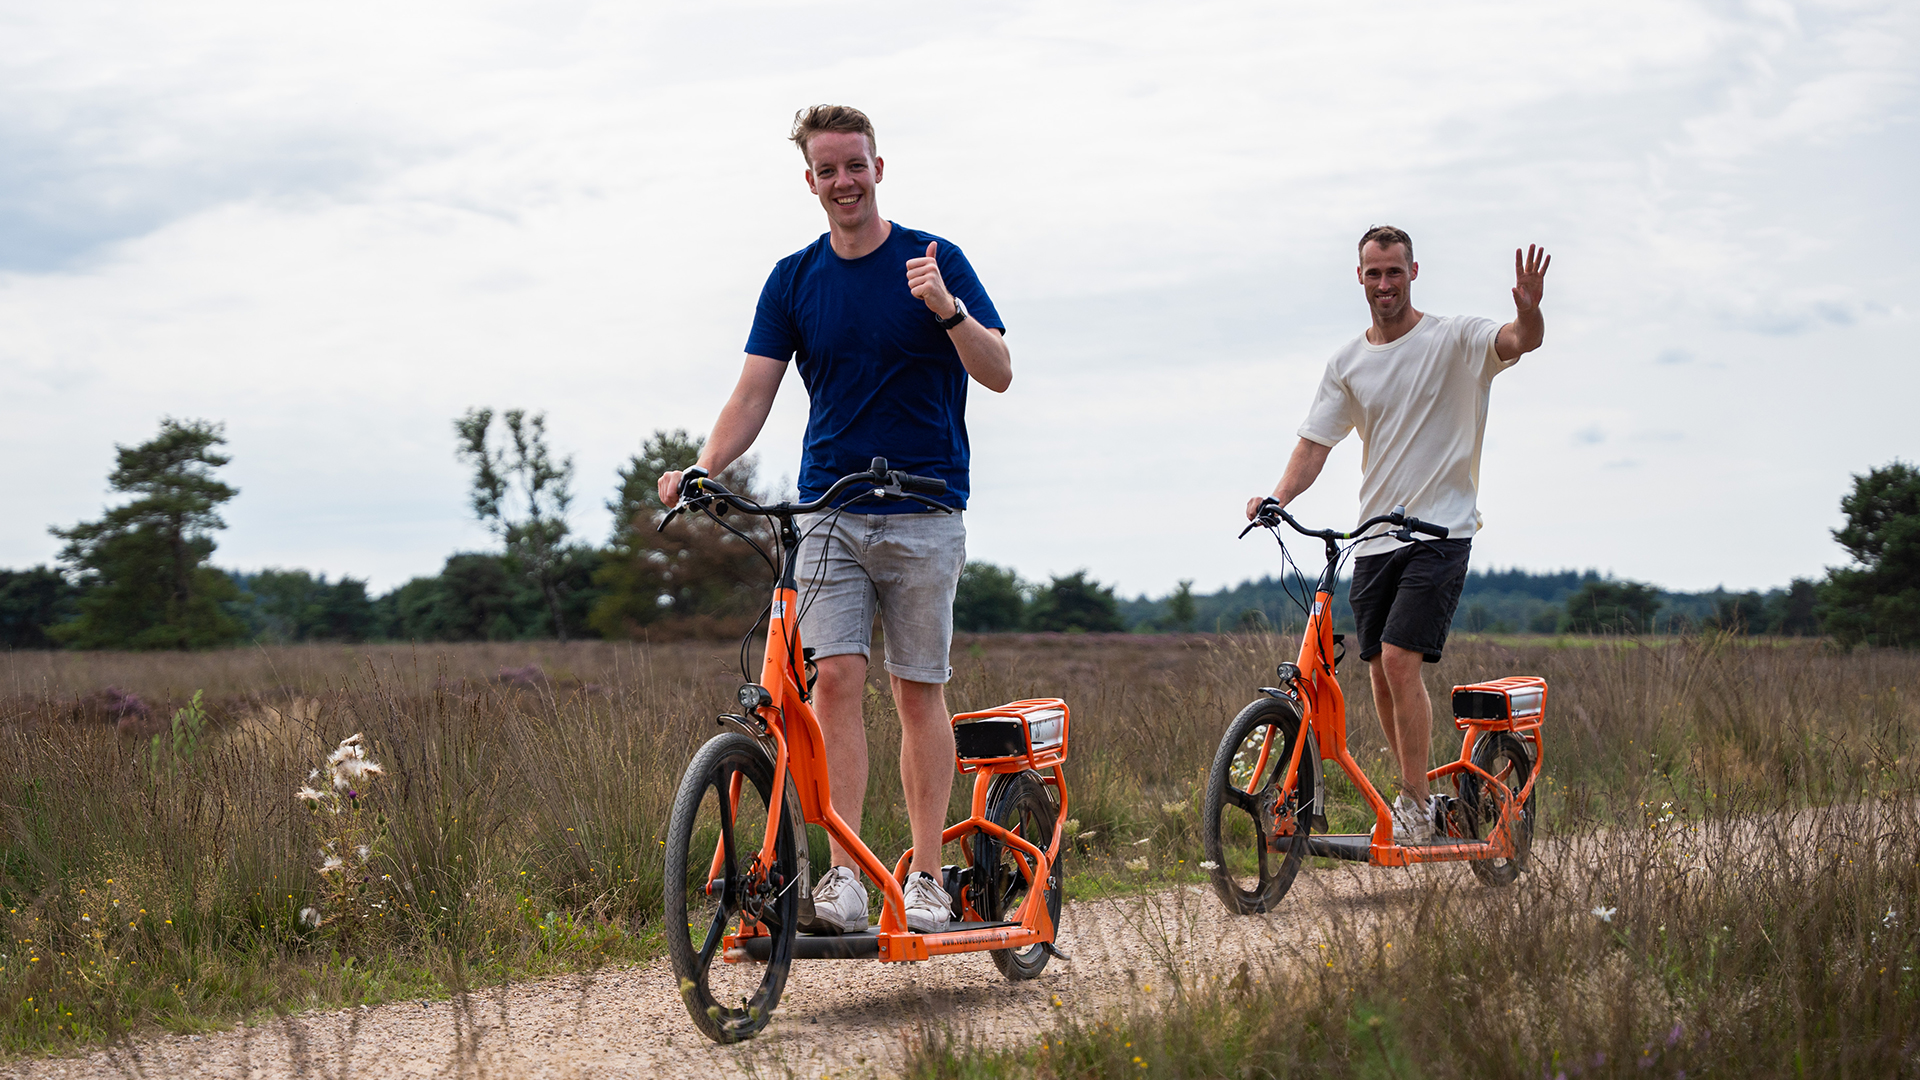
(923, 485)
(1438, 532)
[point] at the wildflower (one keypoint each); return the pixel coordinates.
(349, 746)
(1177, 807)
(1137, 864)
(1073, 825)
(1088, 835)
(309, 794)
(1143, 841)
(1209, 864)
(334, 862)
(364, 852)
(1604, 914)
(310, 917)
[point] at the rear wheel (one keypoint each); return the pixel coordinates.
(1019, 803)
(722, 808)
(1506, 757)
(1255, 824)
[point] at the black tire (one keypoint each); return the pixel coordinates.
(728, 1001)
(1020, 803)
(1249, 873)
(1508, 759)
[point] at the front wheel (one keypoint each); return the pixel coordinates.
(1506, 758)
(1019, 803)
(1256, 824)
(715, 888)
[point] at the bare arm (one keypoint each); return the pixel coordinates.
(1303, 468)
(983, 352)
(740, 421)
(1527, 330)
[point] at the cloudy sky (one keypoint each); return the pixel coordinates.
(336, 227)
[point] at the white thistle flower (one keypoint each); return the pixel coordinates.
(310, 917)
(349, 748)
(364, 852)
(340, 782)
(309, 794)
(333, 863)
(352, 768)
(1604, 914)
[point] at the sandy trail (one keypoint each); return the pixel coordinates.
(836, 1017)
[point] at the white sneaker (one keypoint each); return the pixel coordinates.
(839, 903)
(929, 908)
(1411, 822)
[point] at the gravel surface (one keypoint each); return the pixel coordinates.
(837, 1018)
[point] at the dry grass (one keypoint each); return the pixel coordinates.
(520, 819)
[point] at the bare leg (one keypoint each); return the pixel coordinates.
(926, 766)
(1406, 715)
(839, 699)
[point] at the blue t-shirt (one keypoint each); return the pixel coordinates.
(882, 379)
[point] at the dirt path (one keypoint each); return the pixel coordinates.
(836, 1018)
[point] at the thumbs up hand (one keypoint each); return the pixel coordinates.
(924, 281)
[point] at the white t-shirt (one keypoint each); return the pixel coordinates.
(1420, 404)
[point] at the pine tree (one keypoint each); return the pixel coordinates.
(142, 569)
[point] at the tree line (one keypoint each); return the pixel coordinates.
(141, 576)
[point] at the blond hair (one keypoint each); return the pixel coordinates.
(817, 119)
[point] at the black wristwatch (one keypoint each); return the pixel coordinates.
(959, 315)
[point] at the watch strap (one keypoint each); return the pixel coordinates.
(959, 315)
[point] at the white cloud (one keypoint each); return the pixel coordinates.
(336, 228)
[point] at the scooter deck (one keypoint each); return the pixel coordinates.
(861, 946)
(1353, 847)
(1358, 847)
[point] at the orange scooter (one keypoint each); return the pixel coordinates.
(1264, 794)
(738, 875)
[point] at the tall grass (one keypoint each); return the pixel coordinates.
(1728, 885)
(526, 788)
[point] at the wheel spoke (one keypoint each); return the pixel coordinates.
(1243, 800)
(715, 934)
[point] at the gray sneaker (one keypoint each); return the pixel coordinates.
(839, 903)
(929, 908)
(1411, 823)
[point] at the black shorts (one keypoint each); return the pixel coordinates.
(1406, 596)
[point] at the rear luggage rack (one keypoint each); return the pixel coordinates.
(1029, 734)
(1515, 703)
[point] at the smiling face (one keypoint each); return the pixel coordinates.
(1387, 276)
(842, 171)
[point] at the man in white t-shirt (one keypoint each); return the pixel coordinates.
(1415, 387)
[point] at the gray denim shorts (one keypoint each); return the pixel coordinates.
(905, 566)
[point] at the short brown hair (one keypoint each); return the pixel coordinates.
(1386, 236)
(816, 119)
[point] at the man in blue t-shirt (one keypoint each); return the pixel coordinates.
(886, 325)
